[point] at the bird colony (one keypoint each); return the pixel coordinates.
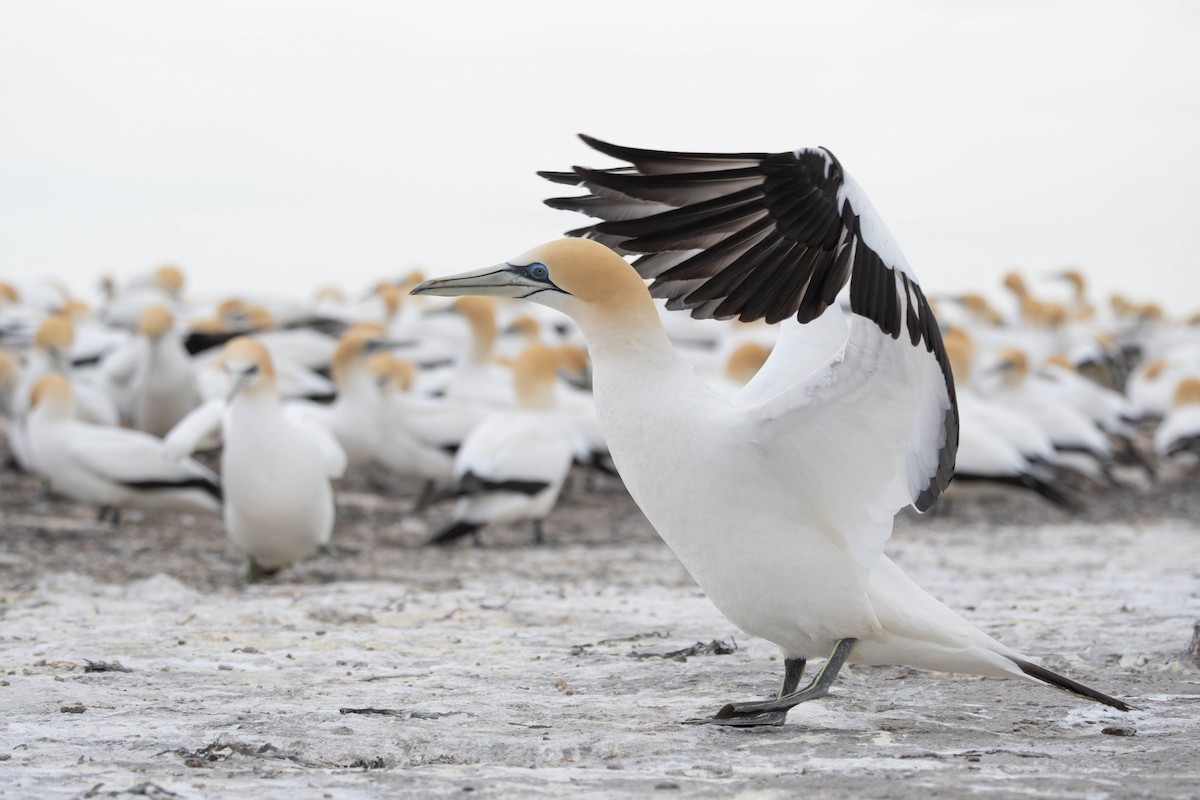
(814, 390)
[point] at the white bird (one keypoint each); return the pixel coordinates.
(512, 467)
(113, 468)
(400, 447)
(779, 503)
(278, 497)
(10, 377)
(155, 373)
(355, 417)
(1079, 443)
(1180, 429)
(51, 354)
(163, 286)
(998, 445)
(478, 379)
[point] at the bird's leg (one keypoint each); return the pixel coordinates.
(425, 497)
(255, 571)
(793, 671)
(539, 537)
(102, 514)
(774, 712)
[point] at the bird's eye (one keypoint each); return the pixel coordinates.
(539, 272)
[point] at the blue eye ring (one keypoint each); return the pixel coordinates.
(539, 272)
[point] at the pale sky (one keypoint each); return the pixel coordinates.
(284, 145)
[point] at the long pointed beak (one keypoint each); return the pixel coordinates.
(238, 383)
(497, 281)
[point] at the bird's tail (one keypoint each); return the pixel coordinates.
(1054, 679)
(454, 531)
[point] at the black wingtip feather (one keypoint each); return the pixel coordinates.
(564, 178)
(453, 532)
(203, 484)
(1054, 679)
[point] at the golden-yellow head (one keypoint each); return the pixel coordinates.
(154, 321)
(392, 372)
(248, 364)
(169, 278)
(1013, 362)
(580, 277)
(52, 390)
(534, 374)
(56, 333)
(1187, 393)
(745, 361)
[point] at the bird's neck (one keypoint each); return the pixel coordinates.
(633, 356)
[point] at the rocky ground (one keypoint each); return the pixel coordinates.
(134, 662)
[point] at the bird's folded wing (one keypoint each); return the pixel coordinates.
(779, 236)
(132, 457)
(518, 447)
(307, 417)
(200, 429)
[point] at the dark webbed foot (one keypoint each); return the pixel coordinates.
(773, 719)
(774, 712)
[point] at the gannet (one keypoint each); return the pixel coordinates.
(400, 447)
(113, 468)
(50, 354)
(10, 376)
(512, 467)
(780, 501)
(1180, 429)
(291, 351)
(278, 497)
(478, 379)
(163, 286)
(155, 373)
(996, 445)
(355, 417)
(1079, 442)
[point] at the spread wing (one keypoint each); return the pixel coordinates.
(775, 236)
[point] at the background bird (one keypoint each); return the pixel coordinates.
(512, 466)
(110, 467)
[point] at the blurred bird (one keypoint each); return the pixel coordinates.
(164, 286)
(400, 446)
(355, 417)
(779, 503)
(155, 374)
(10, 376)
(112, 468)
(1180, 430)
(279, 504)
(50, 354)
(513, 465)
